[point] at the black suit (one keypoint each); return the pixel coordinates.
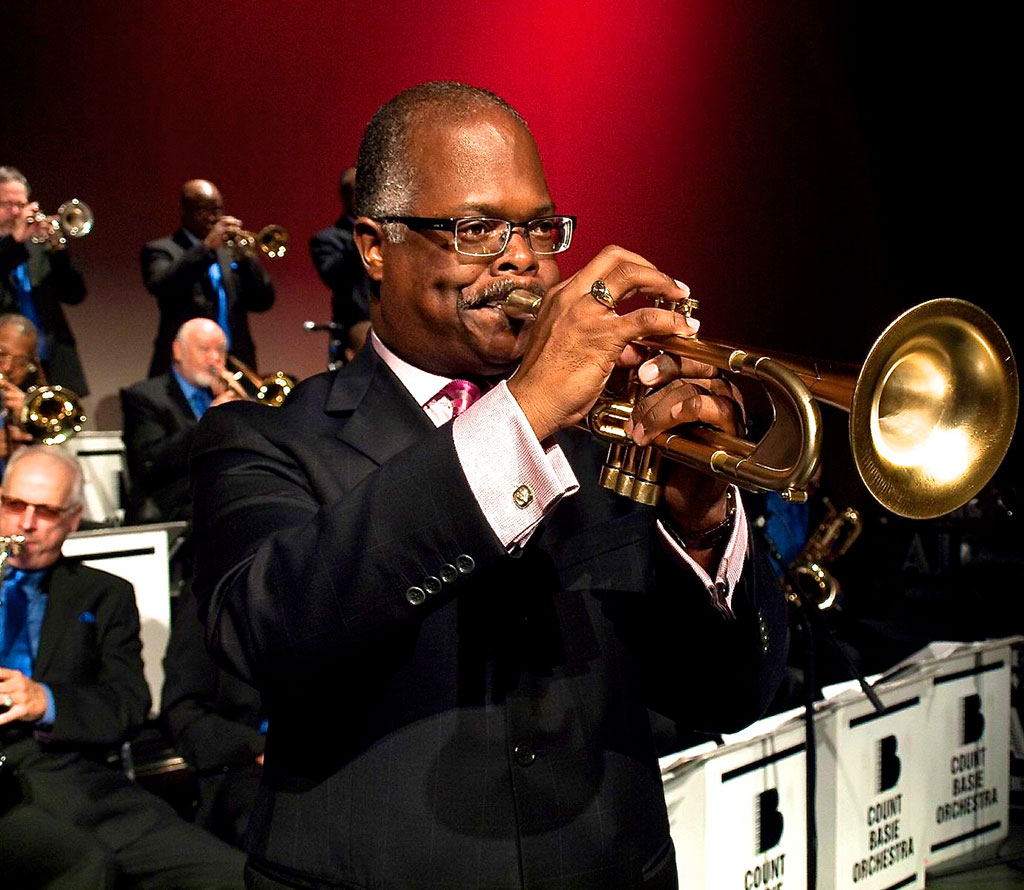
(175, 271)
(495, 735)
(340, 267)
(159, 426)
(90, 656)
(55, 279)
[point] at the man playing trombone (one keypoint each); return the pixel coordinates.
(195, 274)
(485, 625)
(160, 418)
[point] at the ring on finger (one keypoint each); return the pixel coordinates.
(8, 702)
(599, 291)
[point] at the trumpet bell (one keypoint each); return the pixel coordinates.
(74, 218)
(52, 414)
(273, 241)
(934, 408)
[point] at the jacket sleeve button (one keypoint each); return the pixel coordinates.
(415, 596)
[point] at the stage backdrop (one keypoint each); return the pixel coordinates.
(809, 168)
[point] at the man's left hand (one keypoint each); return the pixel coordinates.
(687, 391)
(27, 698)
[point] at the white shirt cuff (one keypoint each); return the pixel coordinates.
(514, 479)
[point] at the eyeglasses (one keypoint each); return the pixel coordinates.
(484, 236)
(13, 205)
(43, 511)
(17, 361)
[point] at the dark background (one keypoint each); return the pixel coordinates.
(810, 168)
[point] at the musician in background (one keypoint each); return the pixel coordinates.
(160, 418)
(35, 279)
(72, 690)
(19, 340)
(216, 722)
(340, 267)
(194, 274)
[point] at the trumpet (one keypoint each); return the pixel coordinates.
(271, 390)
(932, 411)
(74, 219)
(272, 241)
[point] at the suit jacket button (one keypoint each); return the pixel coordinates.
(524, 755)
(415, 596)
(432, 584)
(465, 563)
(448, 573)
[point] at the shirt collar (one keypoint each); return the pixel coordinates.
(422, 385)
(190, 389)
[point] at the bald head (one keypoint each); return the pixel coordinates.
(387, 180)
(199, 350)
(201, 206)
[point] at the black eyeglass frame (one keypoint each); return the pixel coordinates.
(451, 224)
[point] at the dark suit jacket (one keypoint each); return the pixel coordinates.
(158, 430)
(175, 272)
(337, 261)
(494, 734)
(55, 279)
(213, 719)
(90, 655)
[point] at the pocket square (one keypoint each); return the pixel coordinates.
(87, 617)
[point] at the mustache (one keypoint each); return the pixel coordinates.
(495, 293)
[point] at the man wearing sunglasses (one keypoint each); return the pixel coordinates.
(482, 622)
(71, 690)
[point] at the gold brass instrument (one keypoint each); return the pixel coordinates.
(74, 219)
(830, 540)
(932, 411)
(51, 414)
(271, 390)
(272, 241)
(10, 545)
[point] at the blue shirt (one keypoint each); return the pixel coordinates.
(199, 397)
(36, 597)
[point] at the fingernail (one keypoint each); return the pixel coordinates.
(638, 432)
(648, 372)
(694, 324)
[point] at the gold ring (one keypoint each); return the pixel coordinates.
(599, 291)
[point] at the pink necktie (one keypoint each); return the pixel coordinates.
(462, 394)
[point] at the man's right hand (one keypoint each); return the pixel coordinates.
(576, 340)
(13, 398)
(226, 228)
(22, 229)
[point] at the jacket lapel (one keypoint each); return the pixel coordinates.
(381, 418)
(61, 604)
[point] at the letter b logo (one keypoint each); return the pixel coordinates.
(769, 820)
(974, 720)
(888, 763)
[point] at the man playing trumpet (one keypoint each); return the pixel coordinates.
(193, 274)
(484, 622)
(36, 278)
(160, 418)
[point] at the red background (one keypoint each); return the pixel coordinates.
(809, 168)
